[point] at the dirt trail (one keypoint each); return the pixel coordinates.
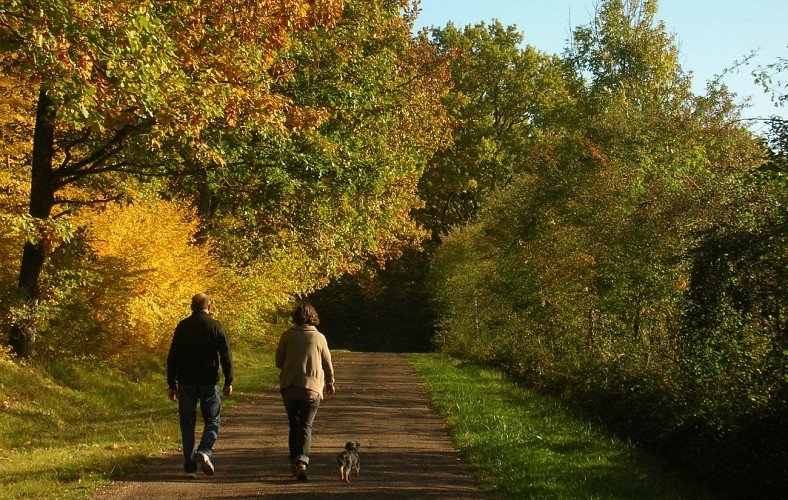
(405, 452)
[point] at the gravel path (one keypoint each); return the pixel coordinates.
(405, 452)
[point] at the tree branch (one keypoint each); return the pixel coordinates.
(82, 203)
(69, 172)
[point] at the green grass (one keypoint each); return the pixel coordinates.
(524, 445)
(67, 427)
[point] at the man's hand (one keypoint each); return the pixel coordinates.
(173, 394)
(228, 390)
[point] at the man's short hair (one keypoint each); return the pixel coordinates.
(201, 302)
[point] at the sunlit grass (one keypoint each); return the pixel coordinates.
(68, 427)
(524, 445)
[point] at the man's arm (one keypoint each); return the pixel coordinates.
(225, 358)
(172, 368)
(172, 362)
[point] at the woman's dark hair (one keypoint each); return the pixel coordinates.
(305, 314)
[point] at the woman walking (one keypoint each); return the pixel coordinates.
(306, 372)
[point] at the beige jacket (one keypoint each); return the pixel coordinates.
(304, 358)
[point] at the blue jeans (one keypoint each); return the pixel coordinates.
(300, 415)
(211, 409)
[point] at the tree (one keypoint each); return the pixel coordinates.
(637, 268)
(382, 93)
(117, 81)
(334, 193)
(370, 117)
(503, 98)
(499, 96)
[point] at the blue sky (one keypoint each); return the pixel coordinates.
(711, 34)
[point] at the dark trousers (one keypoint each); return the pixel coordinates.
(211, 409)
(300, 415)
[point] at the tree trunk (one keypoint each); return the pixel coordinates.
(42, 199)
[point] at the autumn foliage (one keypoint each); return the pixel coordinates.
(274, 145)
(591, 224)
(132, 268)
(184, 63)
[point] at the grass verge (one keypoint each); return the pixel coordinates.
(67, 427)
(525, 445)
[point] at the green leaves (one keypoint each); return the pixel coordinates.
(499, 101)
(127, 88)
(582, 261)
(337, 182)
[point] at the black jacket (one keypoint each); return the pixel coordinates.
(199, 345)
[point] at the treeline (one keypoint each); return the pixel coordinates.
(619, 242)
(604, 234)
(583, 220)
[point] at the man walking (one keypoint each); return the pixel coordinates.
(199, 346)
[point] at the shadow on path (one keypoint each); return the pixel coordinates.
(405, 452)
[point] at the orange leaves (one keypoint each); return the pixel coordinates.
(188, 65)
(305, 118)
(232, 54)
(311, 13)
(256, 21)
(197, 62)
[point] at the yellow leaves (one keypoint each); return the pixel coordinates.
(149, 266)
(305, 118)
(681, 283)
(16, 119)
(6, 361)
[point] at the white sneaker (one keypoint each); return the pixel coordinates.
(205, 461)
(191, 475)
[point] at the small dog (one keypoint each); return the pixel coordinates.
(349, 461)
